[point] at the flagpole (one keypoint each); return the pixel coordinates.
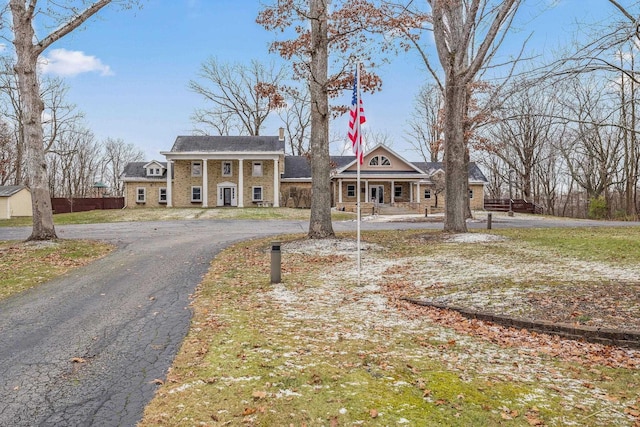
(358, 155)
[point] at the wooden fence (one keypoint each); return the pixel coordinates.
(518, 205)
(77, 204)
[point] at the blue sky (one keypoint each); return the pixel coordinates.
(128, 71)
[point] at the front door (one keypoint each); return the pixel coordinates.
(227, 196)
(377, 194)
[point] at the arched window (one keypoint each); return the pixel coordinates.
(379, 161)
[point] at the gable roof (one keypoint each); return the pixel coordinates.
(224, 143)
(383, 148)
(299, 167)
(296, 167)
(146, 165)
(139, 170)
(10, 190)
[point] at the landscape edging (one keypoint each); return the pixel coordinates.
(605, 336)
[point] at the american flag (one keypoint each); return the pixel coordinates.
(356, 118)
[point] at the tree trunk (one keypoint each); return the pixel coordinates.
(29, 88)
(320, 226)
(455, 159)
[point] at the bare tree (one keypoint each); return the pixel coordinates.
(72, 163)
(467, 35)
(525, 129)
(116, 155)
(296, 116)
(58, 116)
(592, 151)
(63, 17)
(425, 124)
(243, 96)
(7, 154)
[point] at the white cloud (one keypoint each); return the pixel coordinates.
(70, 63)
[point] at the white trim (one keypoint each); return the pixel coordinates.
(160, 201)
(169, 185)
(205, 184)
(354, 191)
(223, 155)
(193, 168)
(390, 151)
(144, 195)
(191, 197)
(240, 183)
(276, 183)
(230, 163)
(220, 193)
(254, 163)
(253, 193)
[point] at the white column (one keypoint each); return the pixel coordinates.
(340, 190)
(393, 192)
(418, 196)
(366, 191)
(205, 184)
(169, 182)
(276, 183)
(240, 184)
(411, 192)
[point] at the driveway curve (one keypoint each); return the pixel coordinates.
(88, 348)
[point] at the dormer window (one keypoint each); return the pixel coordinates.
(379, 161)
(154, 170)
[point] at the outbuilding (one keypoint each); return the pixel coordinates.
(15, 200)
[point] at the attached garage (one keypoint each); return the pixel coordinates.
(15, 200)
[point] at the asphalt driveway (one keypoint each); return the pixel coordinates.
(87, 348)
(121, 319)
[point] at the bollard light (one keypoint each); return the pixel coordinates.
(276, 260)
(489, 215)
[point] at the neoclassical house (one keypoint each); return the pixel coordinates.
(243, 171)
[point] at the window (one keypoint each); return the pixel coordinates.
(141, 195)
(257, 194)
(257, 168)
(427, 194)
(154, 172)
(162, 195)
(379, 161)
(226, 169)
(196, 194)
(397, 191)
(470, 194)
(351, 191)
(196, 168)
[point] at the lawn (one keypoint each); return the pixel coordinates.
(329, 347)
(161, 214)
(24, 265)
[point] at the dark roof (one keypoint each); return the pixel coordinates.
(10, 190)
(227, 143)
(475, 174)
(137, 170)
(300, 167)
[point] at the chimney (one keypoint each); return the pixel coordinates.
(281, 134)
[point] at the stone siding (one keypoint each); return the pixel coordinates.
(152, 194)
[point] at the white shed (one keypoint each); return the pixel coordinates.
(15, 200)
